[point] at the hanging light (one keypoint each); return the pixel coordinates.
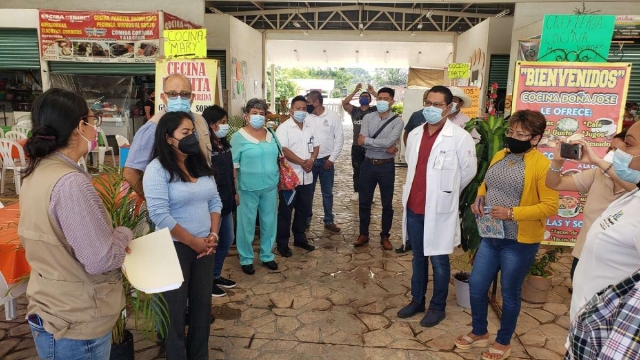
(297, 55)
(296, 24)
(429, 14)
(357, 56)
(420, 26)
(386, 57)
(413, 33)
(418, 56)
(503, 13)
(326, 57)
(305, 33)
(361, 32)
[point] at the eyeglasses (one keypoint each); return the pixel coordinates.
(438, 105)
(97, 119)
(185, 95)
(520, 136)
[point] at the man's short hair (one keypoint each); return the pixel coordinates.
(298, 98)
(315, 95)
(439, 89)
(388, 90)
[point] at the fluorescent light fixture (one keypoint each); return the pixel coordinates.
(216, 11)
(297, 55)
(305, 33)
(357, 56)
(296, 24)
(503, 13)
(420, 26)
(429, 14)
(361, 26)
(386, 57)
(413, 33)
(361, 32)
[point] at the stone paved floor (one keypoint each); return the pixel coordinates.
(340, 302)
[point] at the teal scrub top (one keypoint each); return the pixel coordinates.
(256, 161)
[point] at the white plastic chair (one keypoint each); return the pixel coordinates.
(24, 121)
(21, 129)
(1, 133)
(101, 151)
(14, 135)
(8, 163)
(122, 141)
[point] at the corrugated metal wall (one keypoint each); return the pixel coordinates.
(19, 49)
(631, 54)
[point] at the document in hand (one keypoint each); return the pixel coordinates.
(153, 264)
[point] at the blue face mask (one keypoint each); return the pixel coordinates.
(621, 161)
(454, 108)
(256, 121)
(299, 116)
(432, 114)
(382, 106)
(179, 104)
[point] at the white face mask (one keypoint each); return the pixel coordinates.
(609, 157)
(223, 130)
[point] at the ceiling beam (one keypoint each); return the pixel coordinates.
(347, 20)
(434, 24)
(258, 5)
(356, 8)
(286, 22)
(392, 21)
(306, 22)
(372, 20)
(466, 7)
(468, 22)
(453, 24)
(326, 21)
(269, 22)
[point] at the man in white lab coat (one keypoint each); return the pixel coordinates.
(441, 161)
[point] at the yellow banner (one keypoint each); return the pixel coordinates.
(185, 44)
(459, 71)
(474, 94)
(202, 74)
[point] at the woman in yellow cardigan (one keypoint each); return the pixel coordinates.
(515, 191)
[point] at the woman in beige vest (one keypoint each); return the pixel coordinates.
(75, 290)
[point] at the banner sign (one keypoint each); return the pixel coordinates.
(583, 38)
(202, 74)
(187, 44)
(575, 98)
(627, 27)
(99, 36)
(459, 71)
(172, 22)
(474, 94)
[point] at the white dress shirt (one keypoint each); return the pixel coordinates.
(301, 142)
(328, 131)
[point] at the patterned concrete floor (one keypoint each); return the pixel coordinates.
(340, 302)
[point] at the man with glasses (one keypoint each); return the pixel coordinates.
(176, 96)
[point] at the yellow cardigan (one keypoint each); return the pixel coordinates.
(537, 203)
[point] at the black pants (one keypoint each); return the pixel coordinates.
(371, 176)
(198, 280)
(574, 264)
(357, 158)
(302, 205)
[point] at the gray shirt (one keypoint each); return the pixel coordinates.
(376, 148)
(505, 181)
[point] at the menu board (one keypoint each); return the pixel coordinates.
(575, 98)
(99, 36)
(202, 74)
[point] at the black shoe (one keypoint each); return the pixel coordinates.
(217, 292)
(285, 251)
(248, 269)
(271, 265)
(432, 318)
(224, 283)
(404, 248)
(410, 310)
(305, 246)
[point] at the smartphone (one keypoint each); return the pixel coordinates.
(569, 151)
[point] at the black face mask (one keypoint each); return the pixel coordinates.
(189, 145)
(518, 146)
(310, 108)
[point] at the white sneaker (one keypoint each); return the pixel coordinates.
(355, 197)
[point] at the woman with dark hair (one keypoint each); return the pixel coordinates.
(222, 164)
(75, 290)
(514, 191)
(182, 196)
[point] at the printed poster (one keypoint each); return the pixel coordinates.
(474, 94)
(576, 98)
(99, 36)
(201, 72)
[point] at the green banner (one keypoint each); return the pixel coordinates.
(576, 38)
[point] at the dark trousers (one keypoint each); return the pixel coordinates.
(196, 288)
(357, 158)
(370, 177)
(302, 205)
(574, 265)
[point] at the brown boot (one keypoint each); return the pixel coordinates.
(361, 240)
(386, 244)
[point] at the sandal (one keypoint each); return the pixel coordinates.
(493, 351)
(470, 342)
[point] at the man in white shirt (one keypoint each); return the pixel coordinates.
(327, 127)
(300, 148)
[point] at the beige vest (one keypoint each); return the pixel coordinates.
(71, 302)
(202, 128)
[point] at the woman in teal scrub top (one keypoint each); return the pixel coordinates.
(255, 155)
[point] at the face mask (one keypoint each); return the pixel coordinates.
(189, 145)
(364, 101)
(382, 106)
(621, 161)
(454, 108)
(179, 104)
(299, 116)
(432, 114)
(609, 157)
(518, 146)
(310, 108)
(256, 121)
(223, 130)
(91, 144)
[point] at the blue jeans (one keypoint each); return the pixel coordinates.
(326, 186)
(420, 264)
(68, 349)
(513, 259)
(225, 240)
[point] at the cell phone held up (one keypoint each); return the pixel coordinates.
(571, 151)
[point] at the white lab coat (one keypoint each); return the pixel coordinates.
(451, 166)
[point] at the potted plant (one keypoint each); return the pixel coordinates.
(150, 312)
(462, 264)
(538, 282)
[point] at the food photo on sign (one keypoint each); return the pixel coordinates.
(581, 101)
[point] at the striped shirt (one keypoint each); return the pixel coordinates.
(78, 212)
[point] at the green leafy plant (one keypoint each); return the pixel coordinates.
(541, 266)
(150, 312)
(236, 122)
(397, 108)
(492, 137)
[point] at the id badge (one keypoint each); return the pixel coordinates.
(310, 147)
(438, 162)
